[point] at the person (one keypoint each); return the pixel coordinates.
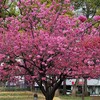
(35, 96)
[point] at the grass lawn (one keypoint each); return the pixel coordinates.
(26, 95)
(73, 98)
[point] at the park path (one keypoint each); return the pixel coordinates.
(56, 98)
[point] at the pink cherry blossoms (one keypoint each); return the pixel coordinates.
(96, 18)
(46, 45)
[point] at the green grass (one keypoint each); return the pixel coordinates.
(26, 95)
(64, 97)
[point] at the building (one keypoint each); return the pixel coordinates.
(93, 85)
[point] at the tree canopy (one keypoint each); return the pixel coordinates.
(46, 46)
(89, 7)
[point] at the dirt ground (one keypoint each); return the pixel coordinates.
(95, 97)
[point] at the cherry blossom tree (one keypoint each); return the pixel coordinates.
(46, 45)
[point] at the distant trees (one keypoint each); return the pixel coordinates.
(8, 8)
(89, 7)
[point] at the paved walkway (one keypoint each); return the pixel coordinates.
(56, 98)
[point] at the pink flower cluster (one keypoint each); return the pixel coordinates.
(82, 18)
(96, 18)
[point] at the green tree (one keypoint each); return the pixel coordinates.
(89, 7)
(8, 8)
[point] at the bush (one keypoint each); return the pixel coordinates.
(13, 89)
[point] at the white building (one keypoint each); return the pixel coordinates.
(92, 84)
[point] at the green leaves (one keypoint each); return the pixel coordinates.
(9, 8)
(89, 7)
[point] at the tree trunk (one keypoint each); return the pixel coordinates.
(49, 97)
(48, 89)
(82, 88)
(85, 87)
(74, 88)
(57, 93)
(64, 87)
(87, 9)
